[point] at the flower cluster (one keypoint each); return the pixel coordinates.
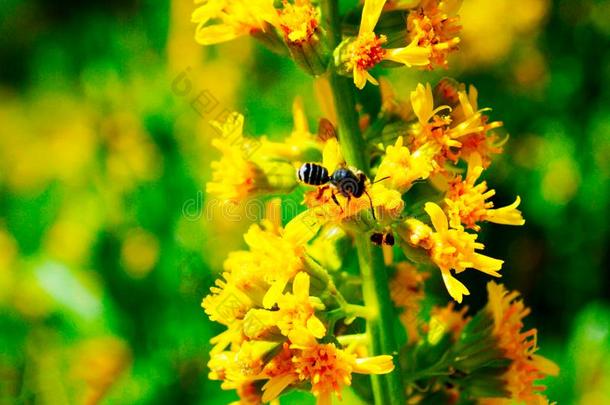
(279, 306)
(300, 311)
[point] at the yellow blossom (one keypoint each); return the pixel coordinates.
(451, 249)
(329, 368)
(247, 166)
(519, 346)
(298, 21)
(294, 314)
(434, 26)
(224, 20)
(402, 167)
(478, 140)
(466, 203)
(257, 277)
(459, 133)
(366, 50)
(242, 365)
(280, 372)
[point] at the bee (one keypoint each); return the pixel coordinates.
(347, 182)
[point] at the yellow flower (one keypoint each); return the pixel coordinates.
(519, 346)
(294, 314)
(477, 138)
(280, 372)
(298, 21)
(366, 50)
(434, 26)
(329, 368)
(466, 202)
(247, 166)
(240, 366)
(257, 277)
(224, 20)
(403, 167)
(406, 291)
(454, 249)
(460, 133)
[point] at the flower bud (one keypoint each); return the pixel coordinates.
(304, 38)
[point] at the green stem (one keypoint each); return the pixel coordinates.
(387, 388)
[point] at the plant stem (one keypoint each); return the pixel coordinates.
(387, 388)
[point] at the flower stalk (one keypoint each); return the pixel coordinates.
(387, 388)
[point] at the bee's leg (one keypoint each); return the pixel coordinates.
(321, 192)
(371, 203)
(334, 197)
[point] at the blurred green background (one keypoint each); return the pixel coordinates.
(108, 242)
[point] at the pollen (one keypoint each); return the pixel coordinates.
(366, 51)
(435, 26)
(298, 21)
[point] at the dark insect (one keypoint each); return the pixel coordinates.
(348, 183)
(378, 238)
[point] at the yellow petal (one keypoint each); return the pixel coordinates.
(274, 387)
(274, 293)
(487, 265)
(316, 327)
(302, 228)
(359, 78)
(374, 365)
(508, 215)
(300, 285)
(456, 289)
(370, 15)
(545, 365)
(216, 34)
(437, 216)
(411, 55)
(422, 102)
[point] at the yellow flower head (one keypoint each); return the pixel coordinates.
(248, 166)
(466, 203)
(403, 167)
(243, 365)
(434, 26)
(298, 21)
(519, 346)
(454, 249)
(294, 315)
(224, 20)
(366, 50)
(474, 128)
(329, 368)
(459, 133)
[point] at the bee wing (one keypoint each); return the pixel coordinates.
(331, 155)
(326, 130)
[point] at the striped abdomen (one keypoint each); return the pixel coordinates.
(313, 174)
